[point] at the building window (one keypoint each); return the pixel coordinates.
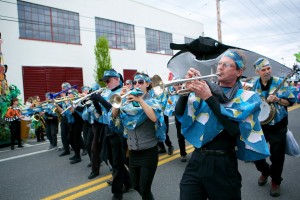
(49, 24)
(188, 40)
(158, 42)
(119, 35)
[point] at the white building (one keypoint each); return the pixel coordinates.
(48, 42)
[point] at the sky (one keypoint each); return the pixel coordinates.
(268, 27)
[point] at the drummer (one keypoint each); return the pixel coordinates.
(275, 131)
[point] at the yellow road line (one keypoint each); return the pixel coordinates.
(99, 180)
(293, 107)
(103, 185)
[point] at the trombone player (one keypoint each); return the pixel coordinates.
(217, 118)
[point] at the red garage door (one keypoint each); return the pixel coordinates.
(39, 80)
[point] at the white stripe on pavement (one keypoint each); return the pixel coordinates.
(24, 155)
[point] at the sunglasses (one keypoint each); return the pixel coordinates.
(141, 82)
(128, 83)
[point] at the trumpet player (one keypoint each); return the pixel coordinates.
(114, 141)
(217, 118)
(144, 127)
(51, 120)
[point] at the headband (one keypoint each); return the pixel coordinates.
(236, 57)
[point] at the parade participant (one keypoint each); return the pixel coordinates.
(37, 123)
(163, 99)
(28, 103)
(64, 122)
(144, 128)
(169, 111)
(275, 131)
(128, 83)
(13, 116)
(51, 120)
(85, 90)
(114, 142)
(217, 119)
(87, 124)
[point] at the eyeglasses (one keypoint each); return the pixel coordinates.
(141, 82)
(128, 83)
(225, 64)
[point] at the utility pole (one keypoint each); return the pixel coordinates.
(219, 21)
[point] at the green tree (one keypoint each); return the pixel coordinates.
(103, 61)
(297, 55)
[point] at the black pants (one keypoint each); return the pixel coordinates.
(88, 137)
(117, 155)
(52, 130)
(143, 165)
(15, 131)
(277, 140)
(167, 141)
(180, 137)
(64, 128)
(75, 130)
(39, 133)
(96, 148)
(211, 176)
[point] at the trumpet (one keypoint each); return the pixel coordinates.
(159, 87)
(76, 102)
(64, 99)
(116, 100)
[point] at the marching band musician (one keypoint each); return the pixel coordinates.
(169, 111)
(51, 120)
(64, 127)
(217, 119)
(144, 127)
(163, 100)
(13, 116)
(275, 131)
(114, 141)
(37, 123)
(87, 124)
(85, 127)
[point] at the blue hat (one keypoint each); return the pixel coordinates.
(85, 88)
(65, 85)
(109, 73)
(95, 86)
(260, 63)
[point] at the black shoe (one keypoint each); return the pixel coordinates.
(170, 150)
(162, 150)
(89, 165)
(117, 197)
(76, 160)
(20, 146)
(183, 159)
(72, 158)
(64, 153)
(84, 152)
(12, 147)
(275, 190)
(109, 181)
(93, 175)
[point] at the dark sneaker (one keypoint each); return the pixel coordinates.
(64, 153)
(170, 150)
(93, 175)
(76, 160)
(183, 159)
(12, 147)
(262, 180)
(89, 165)
(109, 181)
(72, 158)
(160, 150)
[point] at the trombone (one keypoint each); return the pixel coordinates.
(159, 86)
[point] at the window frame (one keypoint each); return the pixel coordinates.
(158, 41)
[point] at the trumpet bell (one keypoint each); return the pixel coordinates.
(157, 85)
(115, 100)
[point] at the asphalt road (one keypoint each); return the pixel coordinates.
(36, 173)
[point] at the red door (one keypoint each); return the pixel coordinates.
(39, 80)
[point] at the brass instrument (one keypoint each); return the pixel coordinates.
(116, 100)
(159, 87)
(64, 99)
(38, 117)
(76, 102)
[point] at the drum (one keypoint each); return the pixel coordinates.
(267, 112)
(25, 127)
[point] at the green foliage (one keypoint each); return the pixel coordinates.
(4, 134)
(297, 55)
(103, 61)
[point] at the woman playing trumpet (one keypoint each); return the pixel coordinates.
(144, 127)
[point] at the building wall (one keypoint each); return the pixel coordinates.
(22, 52)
